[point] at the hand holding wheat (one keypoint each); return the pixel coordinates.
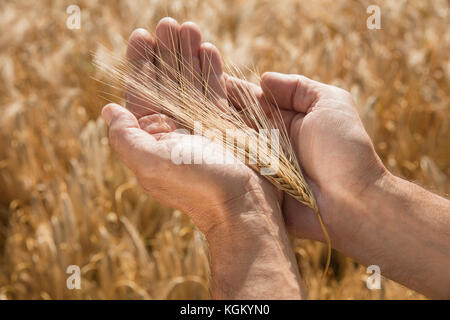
(318, 123)
(184, 79)
(145, 138)
(237, 210)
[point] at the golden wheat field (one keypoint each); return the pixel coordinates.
(65, 199)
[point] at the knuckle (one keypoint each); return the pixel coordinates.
(339, 93)
(302, 79)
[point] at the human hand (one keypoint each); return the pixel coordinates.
(370, 215)
(336, 154)
(145, 140)
(237, 210)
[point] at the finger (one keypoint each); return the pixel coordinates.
(241, 93)
(291, 92)
(140, 55)
(133, 145)
(167, 40)
(140, 46)
(190, 41)
(115, 115)
(157, 123)
(212, 74)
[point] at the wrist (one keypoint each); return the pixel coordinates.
(361, 212)
(258, 202)
(392, 228)
(249, 247)
(252, 212)
(356, 211)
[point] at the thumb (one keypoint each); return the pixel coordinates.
(119, 115)
(132, 144)
(290, 91)
(300, 94)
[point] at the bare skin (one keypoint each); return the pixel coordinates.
(237, 210)
(371, 215)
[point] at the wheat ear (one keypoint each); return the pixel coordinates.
(161, 87)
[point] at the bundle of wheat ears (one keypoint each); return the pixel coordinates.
(171, 90)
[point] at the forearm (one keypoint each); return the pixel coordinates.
(405, 230)
(252, 257)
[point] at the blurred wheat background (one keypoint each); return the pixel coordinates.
(65, 199)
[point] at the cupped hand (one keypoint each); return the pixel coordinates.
(336, 154)
(148, 143)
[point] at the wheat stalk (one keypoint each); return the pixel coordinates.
(171, 90)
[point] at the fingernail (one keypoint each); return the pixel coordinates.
(107, 115)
